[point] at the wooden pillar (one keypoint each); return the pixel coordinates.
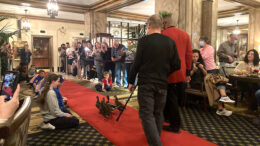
(95, 22)
(254, 29)
(209, 20)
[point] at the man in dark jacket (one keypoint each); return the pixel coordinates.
(156, 58)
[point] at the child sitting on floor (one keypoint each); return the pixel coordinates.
(106, 82)
(31, 73)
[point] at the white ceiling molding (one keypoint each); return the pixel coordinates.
(14, 9)
(224, 5)
(146, 7)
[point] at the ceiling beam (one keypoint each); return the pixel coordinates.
(126, 15)
(245, 26)
(121, 5)
(251, 3)
(229, 13)
(108, 5)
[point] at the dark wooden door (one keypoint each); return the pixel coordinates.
(41, 56)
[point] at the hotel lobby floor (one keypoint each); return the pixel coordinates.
(234, 130)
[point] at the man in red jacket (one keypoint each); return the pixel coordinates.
(176, 81)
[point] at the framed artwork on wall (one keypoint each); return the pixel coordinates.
(17, 47)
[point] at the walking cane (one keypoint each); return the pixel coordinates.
(117, 119)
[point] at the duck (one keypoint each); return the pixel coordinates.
(119, 105)
(98, 103)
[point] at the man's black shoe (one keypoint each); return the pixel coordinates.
(170, 129)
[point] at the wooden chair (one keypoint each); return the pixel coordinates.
(19, 127)
(198, 92)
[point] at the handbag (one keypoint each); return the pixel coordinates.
(217, 79)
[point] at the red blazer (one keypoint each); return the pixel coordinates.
(182, 40)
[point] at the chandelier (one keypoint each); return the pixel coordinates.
(26, 23)
(52, 8)
(236, 30)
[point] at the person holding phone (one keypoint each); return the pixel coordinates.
(50, 110)
(198, 71)
(8, 108)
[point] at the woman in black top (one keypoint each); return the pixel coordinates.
(197, 70)
(109, 65)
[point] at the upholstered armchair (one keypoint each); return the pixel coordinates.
(18, 128)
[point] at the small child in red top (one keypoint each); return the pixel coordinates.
(106, 82)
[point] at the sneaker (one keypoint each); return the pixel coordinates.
(47, 126)
(117, 86)
(224, 112)
(226, 99)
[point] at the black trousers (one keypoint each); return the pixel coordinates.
(151, 99)
(171, 110)
(64, 122)
(63, 64)
(128, 68)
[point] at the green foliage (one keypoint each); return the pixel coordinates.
(164, 14)
(5, 32)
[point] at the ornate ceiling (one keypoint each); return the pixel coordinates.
(124, 9)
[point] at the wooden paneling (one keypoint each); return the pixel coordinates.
(40, 62)
(42, 49)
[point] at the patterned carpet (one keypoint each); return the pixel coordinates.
(85, 134)
(234, 130)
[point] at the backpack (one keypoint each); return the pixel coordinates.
(98, 87)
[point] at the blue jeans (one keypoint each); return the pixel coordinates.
(83, 64)
(120, 67)
(107, 88)
(99, 70)
(213, 71)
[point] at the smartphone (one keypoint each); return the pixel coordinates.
(9, 84)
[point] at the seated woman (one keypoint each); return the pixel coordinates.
(198, 72)
(250, 63)
(50, 110)
(248, 66)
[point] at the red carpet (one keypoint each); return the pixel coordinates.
(128, 131)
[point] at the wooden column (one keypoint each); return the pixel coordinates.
(254, 29)
(209, 20)
(95, 22)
